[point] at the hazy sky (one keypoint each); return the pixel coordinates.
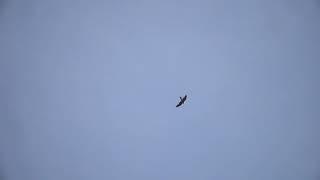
(89, 88)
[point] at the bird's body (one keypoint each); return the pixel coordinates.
(182, 100)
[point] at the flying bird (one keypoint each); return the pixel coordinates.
(182, 100)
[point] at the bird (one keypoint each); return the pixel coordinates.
(182, 100)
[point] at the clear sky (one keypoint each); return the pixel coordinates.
(89, 88)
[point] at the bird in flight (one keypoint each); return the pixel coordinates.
(182, 100)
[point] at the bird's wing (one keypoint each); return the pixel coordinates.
(183, 99)
(179, 104)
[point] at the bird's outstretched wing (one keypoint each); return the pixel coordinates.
(179, 104)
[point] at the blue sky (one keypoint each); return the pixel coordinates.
(89, 90)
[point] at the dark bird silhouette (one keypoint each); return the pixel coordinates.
(182, 100)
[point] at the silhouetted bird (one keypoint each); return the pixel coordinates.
(182, 100)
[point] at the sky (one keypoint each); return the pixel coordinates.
(89, 89)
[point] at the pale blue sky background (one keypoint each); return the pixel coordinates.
(89, 88)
